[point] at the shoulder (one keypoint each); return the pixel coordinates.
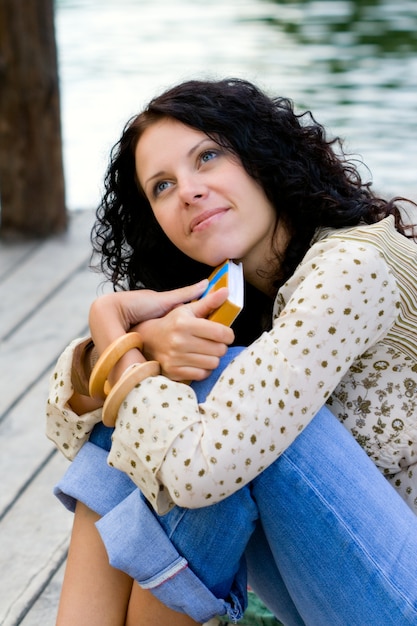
(353, 250)
(366, 245)
(344, 260)
(381, 235)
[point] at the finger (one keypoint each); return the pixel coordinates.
(206, 358)
(196, 329)
(183, 295)
(187, 374)
(211, 302)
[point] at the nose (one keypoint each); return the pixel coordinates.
(191, 190)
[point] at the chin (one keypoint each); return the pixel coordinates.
(212, 260)
(214, 256)
(218, 261)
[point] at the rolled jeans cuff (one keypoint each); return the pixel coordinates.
(138, 545)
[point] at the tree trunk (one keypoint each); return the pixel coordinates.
(32, 187)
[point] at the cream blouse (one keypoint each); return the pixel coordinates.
(344, 333)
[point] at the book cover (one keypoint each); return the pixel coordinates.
(229, 274)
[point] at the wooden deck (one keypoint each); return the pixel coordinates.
(45, 292)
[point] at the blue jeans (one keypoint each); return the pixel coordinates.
(326, 539)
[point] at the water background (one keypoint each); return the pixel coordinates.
(352, 62)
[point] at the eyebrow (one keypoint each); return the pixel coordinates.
(189, 154)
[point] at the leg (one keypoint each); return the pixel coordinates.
(266, 580)
(213, 540)
(136, 543)
(96, 594)
(211, 579)
(93, 593)
(146, 610)
(343, 540)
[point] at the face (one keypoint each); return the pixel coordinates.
(202, 197)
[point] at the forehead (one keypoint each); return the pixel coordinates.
(166, 133)
(162, 144)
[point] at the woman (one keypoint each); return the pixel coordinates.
(215, 170)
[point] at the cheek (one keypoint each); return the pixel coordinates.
(170, 226)
(162, 217)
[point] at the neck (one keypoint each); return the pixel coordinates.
(261, 274)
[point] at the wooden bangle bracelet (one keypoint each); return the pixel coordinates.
(135, 375)
(106, 362)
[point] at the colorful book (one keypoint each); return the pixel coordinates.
(229, 274)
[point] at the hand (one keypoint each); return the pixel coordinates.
(113, 314)
(187, 346)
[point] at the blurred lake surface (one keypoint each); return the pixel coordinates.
(352, 62)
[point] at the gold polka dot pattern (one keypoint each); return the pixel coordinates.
(350, 306)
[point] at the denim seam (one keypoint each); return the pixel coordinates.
(355, 539)
(168, 573)
(175, 526)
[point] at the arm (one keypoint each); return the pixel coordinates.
(341, 300)
(172, 325)
(186, 346)
(67, 428)
(71, 415)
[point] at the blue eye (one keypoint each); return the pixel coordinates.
(208, 155)
(160, 187)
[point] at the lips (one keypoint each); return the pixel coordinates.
(206, 215)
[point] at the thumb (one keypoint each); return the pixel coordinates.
(211, 302)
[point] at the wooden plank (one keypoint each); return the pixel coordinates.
(33, 543)
(45, 322)
(45, 293)
(12, 256)
(26, 355)
(26, 362)
(26, 450)
(44, 609)
(39, 271)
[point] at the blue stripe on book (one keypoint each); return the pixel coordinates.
(215, 278)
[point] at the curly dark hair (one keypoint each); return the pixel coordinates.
(306, 176)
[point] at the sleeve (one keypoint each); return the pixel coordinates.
(341, 299)
(64, 427)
